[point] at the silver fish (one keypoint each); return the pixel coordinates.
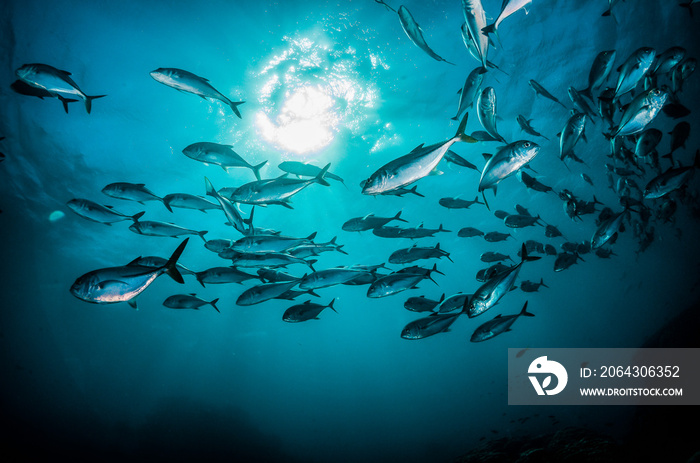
(507, 161)
(330, 277)
(647, 142)
(457, 203)
(497, 326)
(671, 180)
(469, 91)
(155, 228)
(277, 190)
(222, 275)
(369, 222)
(508, 7)
(270, 259)
(98, 213)
(185, 81)
(414, 165)
(667, 60)
(306, 311)
(640, 112)
(188, 201)
(607, 229)
(540, 90)
(600, 70)
(580, 104)
(188, 301)
(421, 304)
(632, 71)
(269, 243)
(414, 32)
(488, 294)
(397, 282)
(452, 303)
(220, 155)
(55, 81)
(570, 135)
(428, 326)
(525, 125)
(486, 110)
(122, 284)
(302, 169)
(132, 192)
(475, 18)
(24, 88)
(414, 253)
(264, 292)
(230, 211)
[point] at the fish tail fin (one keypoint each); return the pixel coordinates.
(210, 188)
(88, 102)
(525, 257)
(137, 216)
(486, 203)
(234, 106)
(330, 306)
(201, 235)
(460, 134)
(689, 6)
(476, 200)
(171, 266)
(256, 169)
(381, 2)
(415, 192)
(320, 177)
(65, 102)
(213, 304)
(398, 217)
(435, 269)
(525, 312)
(166, 203)
(311, 263)
(340, 250)
(542, 283)
(198, 276)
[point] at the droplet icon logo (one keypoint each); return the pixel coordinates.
(540, 367)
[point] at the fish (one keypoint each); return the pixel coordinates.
(508, 8)
(264, 292)
(54, 81)
(525, 125)
(292, 294)
(269, 243)
(420, 304)
(188, 301)
(156, 261)
(123, 284)
(491, 256)
(469, 91)
(473, 50)
(397, 282)
(531, 287)
(486, 111)
(414, 253)
(218, 245)
(640, 112)
(475, 20)
(565, 260)
(666, 61)
(532, 183)
(302, 169)
(421, 232)
(456, 203)
(369, 222)
(681, 73)
(230, 211)
(507, 161)
(455, 158)
(489, 293)
(498, 325)
(468, 232)
(155, 228)
(679, 135)
(270, 259)
(570, 135)
(222, 275)
(220, 155)
(188, 201)
(415, 33)
(277, 190)
(314, 249)
(24, 88)
(306, 311)
(600, 70)
(413, 166)
(550, 250)
(485, 274)
(452, 303)
(550, 231)
(97, 213)
(671, 180)
(185, 81)
(521, 221)
(647, 142)
(632, 71)
(494, 237)
(428, 326)
(132, 192)
(397, 192)
(540, 90)
(675, 110)
(580, 104)
(330, 277)
(268, 275)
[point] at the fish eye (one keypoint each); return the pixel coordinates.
(527, 144)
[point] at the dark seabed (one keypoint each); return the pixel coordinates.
(338, 83)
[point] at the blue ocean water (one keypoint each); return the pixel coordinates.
(323, 82)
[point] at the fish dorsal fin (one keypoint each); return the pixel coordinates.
(487, 156)
(134, 262)
(499, 315)
(417, 148)
(65, 72)
(192, 294)
(109, 207)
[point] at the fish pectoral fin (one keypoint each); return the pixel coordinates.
(132, 304)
